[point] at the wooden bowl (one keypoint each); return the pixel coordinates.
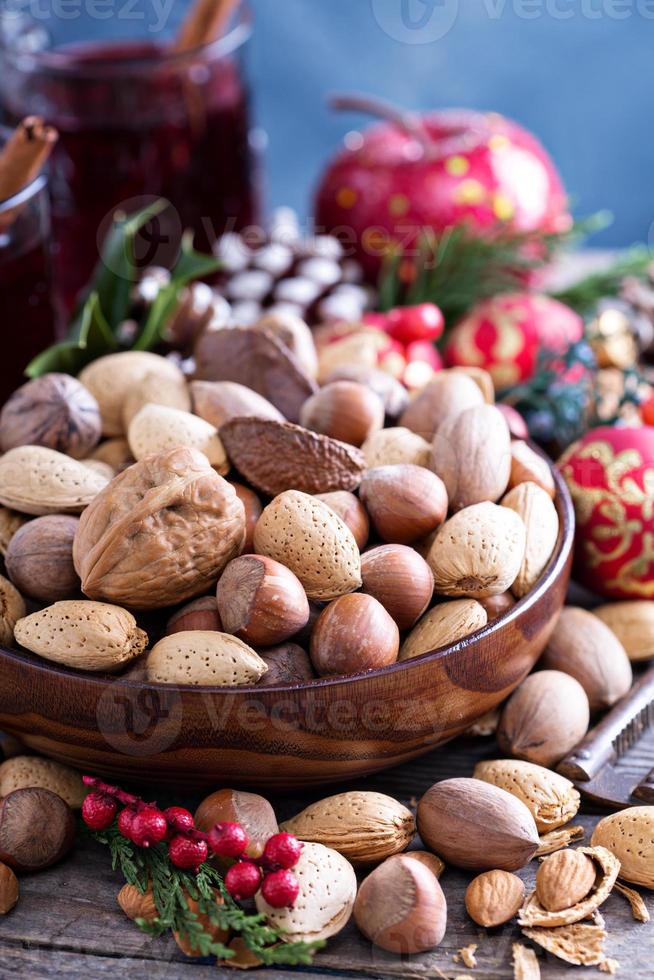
(286, 736)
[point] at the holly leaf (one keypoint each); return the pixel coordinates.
(94, 338)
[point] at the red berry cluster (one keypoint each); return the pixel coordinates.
(413, 331)
(146, 825)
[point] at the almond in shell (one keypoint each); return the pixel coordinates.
(396, 445)
(633, 624)
(23, 771)
(551, 799)
(541, 520)
(444, 624)
(158, 428)
(277, 456)
(328, 888)
(564, 879)
(494, 897)
(157, 389)
(364, 827)
(629, 835)
(204, 658)
(309, 538)
(527, 466)
(607, 867)
(448, 393)
(12, 608)
(82, 634)
(471, 453)
(478, 552)
(36, 480)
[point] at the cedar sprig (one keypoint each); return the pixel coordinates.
(171, 888)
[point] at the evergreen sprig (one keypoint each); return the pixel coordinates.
(173, 887)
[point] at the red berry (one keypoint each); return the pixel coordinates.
(243, 880)
(187, 853)
(409, 323)
(125, 818)
(647, 411)
(280, 889)
(99, 811)
(149, 826)
(228, 840)
(282, 851)
(179, 819)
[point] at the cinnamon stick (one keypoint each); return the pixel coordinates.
(25, 154)
(205, 22)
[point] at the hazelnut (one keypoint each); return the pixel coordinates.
(351, 511)
(137, 904)
(400, 579)
(343, 410)
(261, 601)
(391, 391)
(200, 614)
(497, 605)
(234, 806)
(39, 558)
(253, 510)
(54, 411)
(405, 502)
(287, 664)
(37, 829)
(401, 907)
(352, 634)
(9, 889)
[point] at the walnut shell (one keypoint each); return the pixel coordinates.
(39, 558)
(54, 411)
(161, 532)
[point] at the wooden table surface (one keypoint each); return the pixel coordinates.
(67, 922)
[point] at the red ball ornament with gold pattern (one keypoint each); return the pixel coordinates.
(505, 333)
(610, 475)
(417, 173)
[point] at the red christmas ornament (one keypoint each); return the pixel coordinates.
(228, 840)
(409, 324)
(505, 333)
(280, 889)
(610, 475)
(179, 819)
(282, 851)
(187, 852)
(243, 880)
(414, 173)
(99, 811)
(148, 827)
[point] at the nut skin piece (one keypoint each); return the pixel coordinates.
(405, 502)
(9, 889)
(544, 718)
(287, 664)
(54, 411)
(200, 614)
(12, 609)
(37, 829)
(494, 897)
(344, 410)
(261, 601)
(39, 558)
(400, 907)
(351, 511)
(476, 826)
(400, 579)
(136, 904)
(253, 508)
(564, 879)
(353, 634)
(252, 811)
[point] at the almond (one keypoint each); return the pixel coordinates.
(307, 536)
(474, 825)
(82, 634)
(478, 552)
(494, 897)
(113, 377)
(544, 718)
(10, 522)
(541, 521)
(12, 608)
(564, 879)
(23, 771)
(633, 624)
(444, 624)
(528, 467)
(448, 393)
(328, 887)
(471, 453)
(584, 647)
(204, 658)
(607, 867)
(157, 389)
(36, 480)
(219, 401)
(364, 827)
(256, 359)
(629, 835)
(158, 428)
(551, 799)
(278, 456)
(396, 445)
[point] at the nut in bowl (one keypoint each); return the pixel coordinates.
(313, 580)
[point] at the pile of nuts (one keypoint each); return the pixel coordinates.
(305, 538)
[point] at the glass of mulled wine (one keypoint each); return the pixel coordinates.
(26, 308)
(135, 119)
